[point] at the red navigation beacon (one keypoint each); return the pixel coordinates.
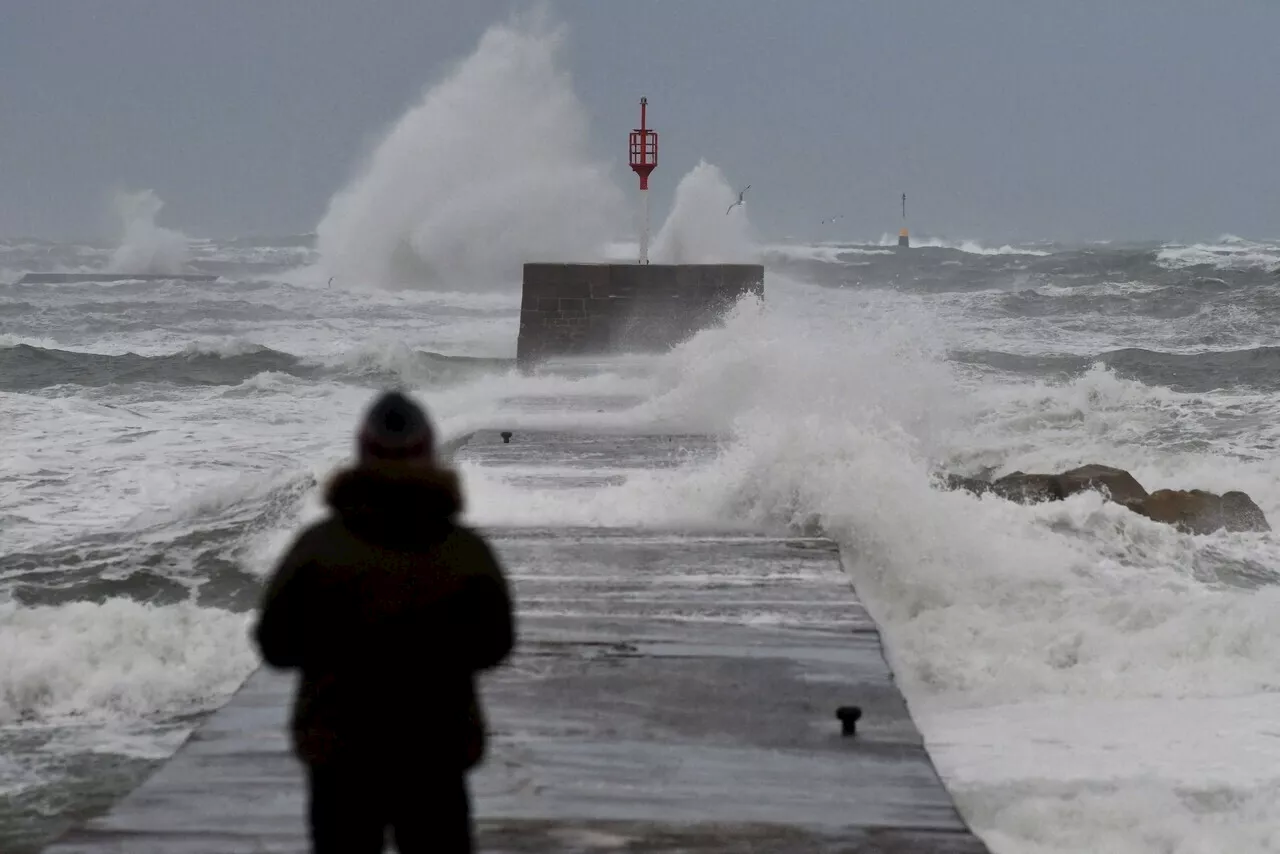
(643, 157)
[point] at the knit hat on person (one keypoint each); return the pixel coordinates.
(396, 429)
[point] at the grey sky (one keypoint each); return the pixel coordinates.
(1001, 120)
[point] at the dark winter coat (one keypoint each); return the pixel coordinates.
(389, 608)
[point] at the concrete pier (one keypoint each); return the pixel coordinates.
(673, 690)
(589, 309)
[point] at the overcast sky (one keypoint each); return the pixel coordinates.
(1026, 119)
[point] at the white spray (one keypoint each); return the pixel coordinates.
(490, 170)
(698, 230)
(146, 247)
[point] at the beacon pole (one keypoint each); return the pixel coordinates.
(643, 158)
(904, 239)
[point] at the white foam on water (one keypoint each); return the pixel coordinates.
(143, 742)
(498, 499)
(1181, 742)
(84, 465)
(973, 247)
(985, 320)
(231, 345)
(1126, 775)
(1228, 253)
(829, 253)
(7, 341)
(117, 660)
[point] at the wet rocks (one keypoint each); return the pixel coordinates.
(1195, 511)
(1116, 484)
(1027, 488)
(1024, 488)
(976, 485)
(1200, 512)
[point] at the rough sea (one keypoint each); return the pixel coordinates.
(1087, 680)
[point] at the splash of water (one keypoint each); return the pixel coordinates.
(491, 169)
(145, 246)
(698, 230)
(1073, 636)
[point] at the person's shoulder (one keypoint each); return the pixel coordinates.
(465, 533)
(470, 547)
(466, 537)
(318, 536)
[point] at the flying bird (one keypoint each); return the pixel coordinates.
(832, 218)
(739, 201)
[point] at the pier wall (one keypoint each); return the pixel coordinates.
(593, 309)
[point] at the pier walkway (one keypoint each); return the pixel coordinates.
(672, 691)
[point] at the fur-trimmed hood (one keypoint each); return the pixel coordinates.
(394, 499)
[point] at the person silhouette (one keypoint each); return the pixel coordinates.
(389, 607)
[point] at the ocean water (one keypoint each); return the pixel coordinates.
(1086, 679)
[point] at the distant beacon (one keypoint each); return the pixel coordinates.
(903, 240)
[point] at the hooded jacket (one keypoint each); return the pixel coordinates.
(388, 608)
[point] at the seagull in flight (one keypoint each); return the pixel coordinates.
(832, 218)
(739, 201)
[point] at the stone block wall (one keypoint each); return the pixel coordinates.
(594, 309)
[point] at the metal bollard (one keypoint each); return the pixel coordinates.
(848, 717)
